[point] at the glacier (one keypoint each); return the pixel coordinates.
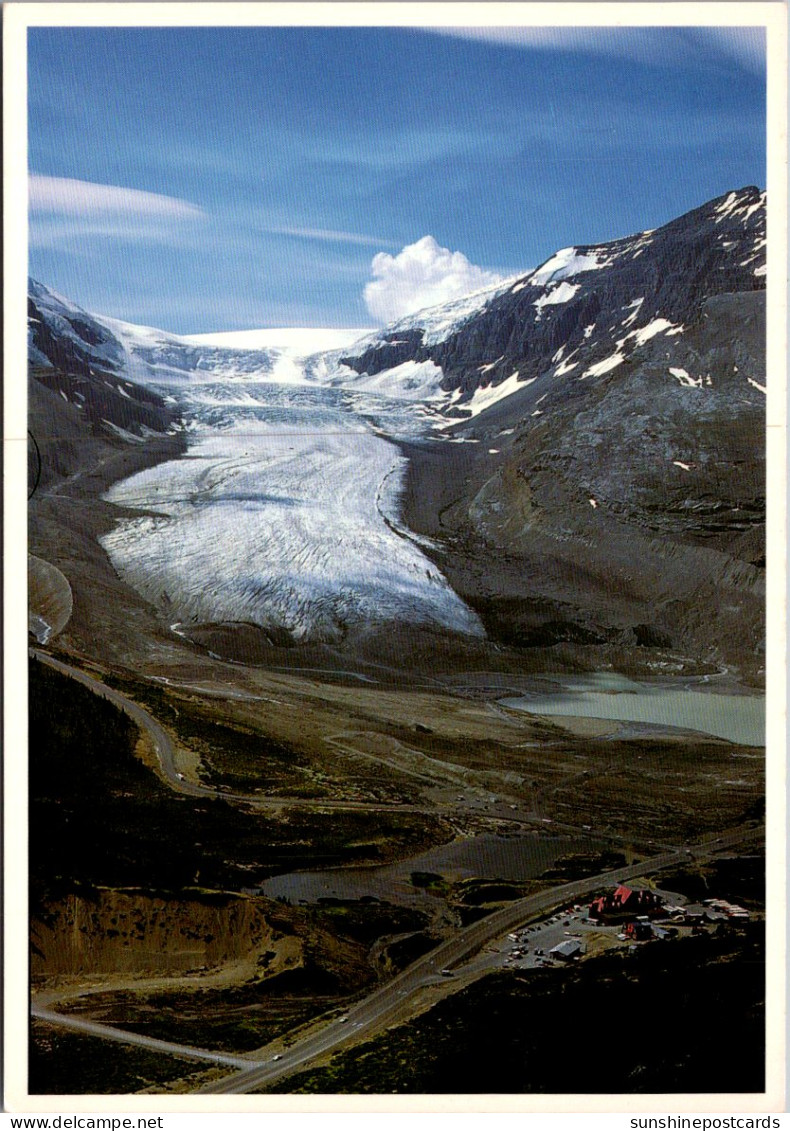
(283, 511)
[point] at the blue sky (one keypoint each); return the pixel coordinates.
(219, 178)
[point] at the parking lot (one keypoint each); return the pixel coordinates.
(528, 948)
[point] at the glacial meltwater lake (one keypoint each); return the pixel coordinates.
(736, 718)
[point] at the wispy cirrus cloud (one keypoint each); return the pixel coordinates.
(329, 235)
(76, 235)
(742, 46)
(745, 46)
(66, 195)
(71, 215)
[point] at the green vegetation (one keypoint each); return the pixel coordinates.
(642, 787)
(101, 818)
(686, 1016)
(475, 893)
(334, 965)
(400, 953)
(737, 878)
(235, 1019)
(241, 759)
(577, 865)
(474, 897)
(431, 882)
(367, 919)
(237, 754)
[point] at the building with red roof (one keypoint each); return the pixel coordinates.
(624, 903)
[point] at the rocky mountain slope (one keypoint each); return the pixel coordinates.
(586, 442)
(608, 487)
(586, 309)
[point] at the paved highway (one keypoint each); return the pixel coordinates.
(126, 1037)
(385, 1004)
(391, 1000)
(166, 754)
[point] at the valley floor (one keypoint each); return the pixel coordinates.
(261, 850)
(472, 774)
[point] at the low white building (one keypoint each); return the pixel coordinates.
(569, 948)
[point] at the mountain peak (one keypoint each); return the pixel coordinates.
(593, 303)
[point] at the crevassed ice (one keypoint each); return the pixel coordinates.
(278, 518)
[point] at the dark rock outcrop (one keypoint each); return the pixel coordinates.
(616, 499)
(611, 507)
(613, 291)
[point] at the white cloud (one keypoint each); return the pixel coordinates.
(743, 46)
(422, 274)
(328, 235)
(67, 196)
(77, 235)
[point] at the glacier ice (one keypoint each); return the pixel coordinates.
(280, 515)
(283, 511)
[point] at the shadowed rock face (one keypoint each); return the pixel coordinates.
(62, 336)
(585, 299)
(615, 500)
(613, 503)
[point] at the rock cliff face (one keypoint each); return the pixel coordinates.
(607, 490)
(591, 468)
(123, 932)
(587, 309)
(62, 336)
(79, 392)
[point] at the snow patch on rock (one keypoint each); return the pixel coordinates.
(563, 293)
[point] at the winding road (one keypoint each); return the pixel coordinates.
(391, 1001)
(126, 1037)
(396, 999)
(166, 756)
